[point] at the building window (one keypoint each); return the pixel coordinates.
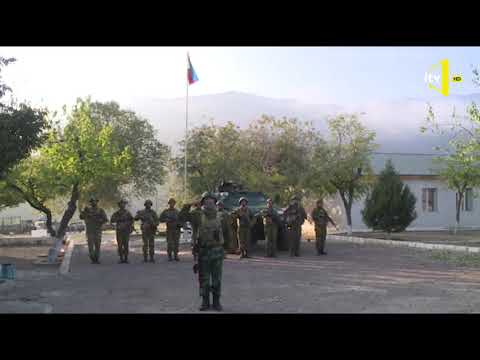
(467, 200)
(429, 200)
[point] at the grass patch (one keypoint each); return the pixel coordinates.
(456, 258)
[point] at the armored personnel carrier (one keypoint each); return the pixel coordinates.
(230, 193)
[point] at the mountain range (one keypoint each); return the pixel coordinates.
(396, 123)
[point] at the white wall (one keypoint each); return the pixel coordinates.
(441, 219)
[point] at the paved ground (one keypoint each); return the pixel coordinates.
(350, 279)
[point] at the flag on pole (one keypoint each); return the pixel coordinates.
(191, 74)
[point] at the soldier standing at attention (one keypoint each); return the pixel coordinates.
(321, 219)
(245, 222)
(226, 226)
(150, 222)
(124, 227)
(295, 216)
(94, 219)
(271, 222)
(208, 246)
(170, 216)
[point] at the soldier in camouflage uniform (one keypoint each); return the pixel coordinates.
(271, 222)
(196, 210)
(94, 218)
(226, 226)
(208, 245)
(150, 222)
(245, 222)
(295, 216)
(123, 220)
(170, 216)
(321, 219)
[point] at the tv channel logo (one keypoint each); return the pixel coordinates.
(438, 77)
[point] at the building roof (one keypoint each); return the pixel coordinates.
(406, 164)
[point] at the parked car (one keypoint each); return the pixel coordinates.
(76, 227)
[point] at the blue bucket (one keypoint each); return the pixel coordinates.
(8, 271)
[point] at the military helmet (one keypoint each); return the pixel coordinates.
(206, 195)
(171, 200)
(148, 202)
(241, 199)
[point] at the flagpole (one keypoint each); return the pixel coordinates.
(186, 137)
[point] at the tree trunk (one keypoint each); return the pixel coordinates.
(62, 229)
(37, 205)
(69, 212)
(457, 217)
(348, 212)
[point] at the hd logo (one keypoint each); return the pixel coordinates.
(438, 77)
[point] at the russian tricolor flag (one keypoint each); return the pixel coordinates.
(191, 74)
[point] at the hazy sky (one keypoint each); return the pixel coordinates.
(340, 75)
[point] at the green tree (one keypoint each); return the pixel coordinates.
(78, 161)
(279, 155)
(344, 161)
(390, 206)
(149, 155)
(459, 168)
(22, 129)
(213, 154)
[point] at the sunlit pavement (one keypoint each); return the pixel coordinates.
(350, 279)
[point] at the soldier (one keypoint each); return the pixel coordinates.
(295, 216)
(321, 219)
(170, 216)
(123, 220)
(94, 219)
(150, 222)
(245, 222)
(208, 245)
(196, 209)
(271, 222)
(226, 226)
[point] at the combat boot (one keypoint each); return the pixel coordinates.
(145, 259)
(216, 303)
(205, 303)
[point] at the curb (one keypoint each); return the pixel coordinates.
(65, 266)
(358, 240)
(26, 241)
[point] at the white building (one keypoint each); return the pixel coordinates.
(435, 205)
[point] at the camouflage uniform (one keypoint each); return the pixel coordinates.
(170, 216)
(321, 219)
(226, 219)
(94, 218)
(209, 247)
(295, 216)
(124, 227)
(150, 222)
(245, 220)
(271, 222)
